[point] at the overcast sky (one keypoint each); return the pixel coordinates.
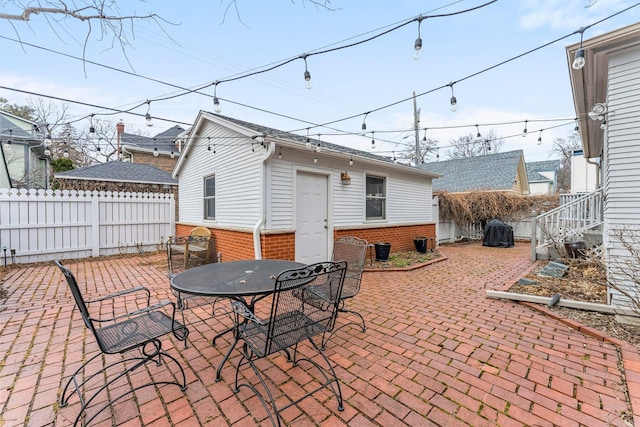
(199, 45)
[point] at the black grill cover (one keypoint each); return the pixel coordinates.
(498, 234)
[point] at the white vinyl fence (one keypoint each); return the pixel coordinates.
(43, 225)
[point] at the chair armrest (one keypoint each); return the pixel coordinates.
(241, 310)
(121, 293)
(177, 240)
(149, 309)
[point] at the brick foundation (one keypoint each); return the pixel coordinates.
(238, 245)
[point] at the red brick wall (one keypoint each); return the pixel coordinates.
(164, 162)
(238, 245)
(400, 237)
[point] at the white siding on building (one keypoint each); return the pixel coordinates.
(583, 175)
(237, 171)
(622, 166)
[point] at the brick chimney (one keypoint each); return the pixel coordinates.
(119, 131)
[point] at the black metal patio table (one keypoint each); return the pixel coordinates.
(247, 281)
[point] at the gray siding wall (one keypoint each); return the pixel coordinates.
(622, 168)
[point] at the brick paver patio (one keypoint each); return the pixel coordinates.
(436, 352)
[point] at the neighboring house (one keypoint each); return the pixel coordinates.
(161, 150)
(266, 193)
(490, 172)
(543, 176)
(584, 173)
(118, 176)
(23, 160)
(607, 89)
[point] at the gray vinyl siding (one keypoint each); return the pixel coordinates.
(237, 171)
(622, 166)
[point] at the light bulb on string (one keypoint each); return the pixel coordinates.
(524, 131)
(147, 116)
(603, 125)
(454, 101)
(540, 138)
(65, 153)
(351, 160)
(155, 149)
(417, 46)
(315, 159)
(216, 101)
(424, 137)
(47, 140)
(280, 154)
(47, 151)
(577, 128)
(7, 143)
(307, 74)
(364, 124)
(373, 140)
(579, 61)
(92, 129)
(172, 155)
(478, 130)
(209, 144)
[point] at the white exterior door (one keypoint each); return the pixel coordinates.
(312, 225)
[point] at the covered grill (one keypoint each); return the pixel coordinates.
(498, 234)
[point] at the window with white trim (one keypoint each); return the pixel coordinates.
(375, 198)
(210, 197)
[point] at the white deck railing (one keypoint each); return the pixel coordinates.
(568, 222)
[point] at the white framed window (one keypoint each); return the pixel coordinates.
(210, 197)
(376, 197)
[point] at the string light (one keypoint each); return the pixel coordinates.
(478, 130)
(454, 101)
(373, 141)
(364, 123)
(315, 159)
(7, 143)
(47, 140)
(578, 61)
(147, 116)
(577, 128)
(307, 74)
(524, 131)
(155, 149)
(209, 144)
(418, 44)
(216, 101)
(424, 137)
(540, 137)
(280, 154)
(65, 153)
(92, 129)
(603, 125)
(351, 160)
(172, 155)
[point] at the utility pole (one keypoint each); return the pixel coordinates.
(416, 125)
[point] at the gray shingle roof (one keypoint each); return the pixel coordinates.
(264, 130)
(7, 122)
(165, 141)
(534, 169)
(121, 172)
(493, 172)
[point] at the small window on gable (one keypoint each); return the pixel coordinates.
(210, 197)
(376, 197)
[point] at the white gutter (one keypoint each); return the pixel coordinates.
(257, 248)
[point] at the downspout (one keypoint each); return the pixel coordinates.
(599, 171)
(257, 248)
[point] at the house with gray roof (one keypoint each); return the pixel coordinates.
(491, 172)
(543, 176)
(23, 162)
(117, 176)
(267, 193)
(161, 150)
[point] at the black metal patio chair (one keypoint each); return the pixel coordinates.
(121, 333)
(295, 316)
(353, 250)
(200, 239)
